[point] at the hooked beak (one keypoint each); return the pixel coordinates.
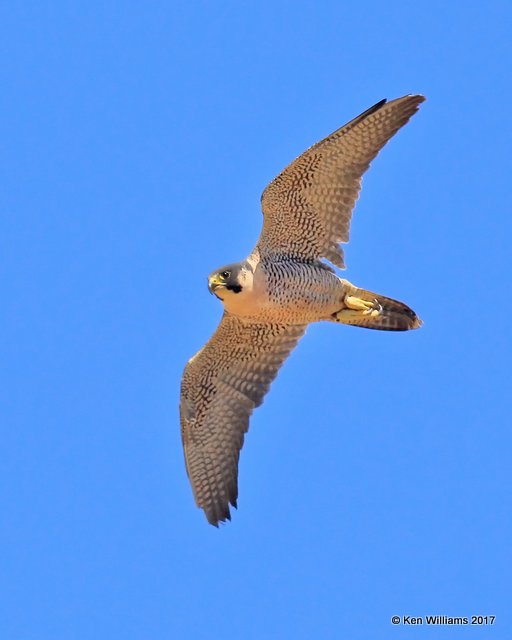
(214, 282)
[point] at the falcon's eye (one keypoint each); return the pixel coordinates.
(225, 275)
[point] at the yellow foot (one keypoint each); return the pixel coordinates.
(368, 307)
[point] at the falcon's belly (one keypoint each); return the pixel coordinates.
(288, 292)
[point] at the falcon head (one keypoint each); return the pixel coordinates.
(230, 279)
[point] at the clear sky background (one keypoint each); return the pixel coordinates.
(375, 481)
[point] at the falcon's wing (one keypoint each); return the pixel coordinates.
(221, 386)
(308, 206)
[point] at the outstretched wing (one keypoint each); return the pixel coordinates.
(308, 206)
(221, 386)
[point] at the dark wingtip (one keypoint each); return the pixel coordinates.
(412, 98)
(415, 99)
(376, 107)
(364, 115)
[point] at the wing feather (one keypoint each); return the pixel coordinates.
(307, 208)
(221, 386)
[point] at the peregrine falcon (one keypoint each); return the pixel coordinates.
(270, 298)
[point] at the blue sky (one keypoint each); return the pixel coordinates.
(375, 480)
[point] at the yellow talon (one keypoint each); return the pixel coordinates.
(371, 308)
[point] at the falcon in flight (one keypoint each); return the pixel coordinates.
(270, 298)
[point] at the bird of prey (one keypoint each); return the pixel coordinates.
(270, 298)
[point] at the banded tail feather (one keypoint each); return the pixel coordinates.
(373, 311)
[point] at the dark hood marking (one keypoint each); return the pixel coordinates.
(235, 288)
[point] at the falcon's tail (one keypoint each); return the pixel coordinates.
(373, 311)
